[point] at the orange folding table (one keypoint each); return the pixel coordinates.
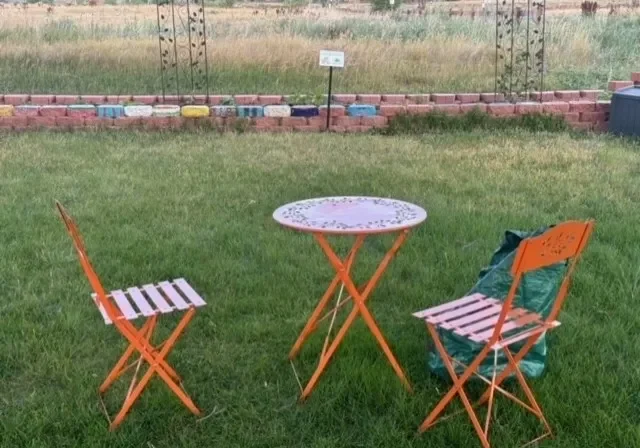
(359, 217)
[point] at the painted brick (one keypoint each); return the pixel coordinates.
(110, 111)
(195, 111)
(465, 108)
(500, 109)
(93, 99)
(81, 110)
(294, 121)
(53, 111)
(346, 121)
(27, 110)
(491, 97)
(266, 100)
(147, 100)
(249, 111)
(138, 111)
(604, 106)
(98, 123)
(281, 110)
(246, 100)
(568, 95)
(344, 98)
(419, 109)
(375, 122)
(466, 98)
(614, 86)
(16, 100)
(545, 96)
(42, 99)
(572, 117)
(448, 109)
(555, 107)
(528, 108)
(70, 122)
(6, 110)
(582, 106)
(361, 110)
(391, 110)
(336, 110)
(223, 111)
(41, 122)
(590, 95)
(593, 117)
(127, 122)
(635, 77)
(305, 111)
(369, 98)
(67, 99)
(419, 98)
(443, 98)
(394, 99)
(166, 110)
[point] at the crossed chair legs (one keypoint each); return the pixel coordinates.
(155, 357)
(489, 395)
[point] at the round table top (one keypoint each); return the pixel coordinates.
(350, 215)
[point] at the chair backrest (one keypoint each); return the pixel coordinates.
(112, 312)
(562, 243)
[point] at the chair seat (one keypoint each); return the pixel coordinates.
(149, 300)
(474, 317)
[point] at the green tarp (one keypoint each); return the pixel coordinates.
(537, 292)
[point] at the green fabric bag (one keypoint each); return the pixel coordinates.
(537, 292)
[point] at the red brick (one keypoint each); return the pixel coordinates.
(582, 106)
(369, 98)
(590, 95)
(544, 96)
(70, 122)
(293, 121)
(200, 100)
(419, 109)
(99, 123)
(500, 109)
(375, 121)
(16, 100)
(5, 123)
(572, 117)
(336, 111)
(42, 99)
(41, 122)
(266, 122)
(464, 108)
(467, 98)
(127, 122)
(148, 100)
(394, 99)
(635, 77)
(555, 107)
(568, 95)
(112, 99)
(317, 122)
(217, 100)
(603, 106)
(593, 117)
(419, 98)
(391, 110)
(93, 99)
(246, 100)
(81, 112)
(171, 100)
(344, 98)
(448, 109)
(67, 99)
(53, 111)
(15, 121)
(491, 97)
(27, 110)
(153, 123)
(443, 98)
(528, 108)
(581, 126)
(346, 121)
(617, 85)
(177, 123)
(266, 100)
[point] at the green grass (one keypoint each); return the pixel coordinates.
(155, 206)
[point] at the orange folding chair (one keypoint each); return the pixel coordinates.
(495, 325)
(120, 307)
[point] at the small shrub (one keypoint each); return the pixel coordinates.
(589, 8)
(474, 120)
(384, 5)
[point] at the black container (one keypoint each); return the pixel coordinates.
(625, 112)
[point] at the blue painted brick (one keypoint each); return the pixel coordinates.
(249, 111)
(305, 111)
(362, 110)
(110, 111)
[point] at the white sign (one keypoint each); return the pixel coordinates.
(331, 58)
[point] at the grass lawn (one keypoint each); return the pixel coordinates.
(156, 206)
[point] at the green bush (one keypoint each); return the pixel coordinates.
(384, 5)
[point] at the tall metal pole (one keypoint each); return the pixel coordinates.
(162, 67)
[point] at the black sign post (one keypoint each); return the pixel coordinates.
(331, 59)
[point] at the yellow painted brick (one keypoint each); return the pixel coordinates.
(6, 110)
(195, 111)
